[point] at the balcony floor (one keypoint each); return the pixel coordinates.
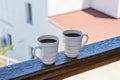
(94, 23)
(107, 72)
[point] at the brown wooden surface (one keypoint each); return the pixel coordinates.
(75, 66)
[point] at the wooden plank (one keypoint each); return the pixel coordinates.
(76, 66)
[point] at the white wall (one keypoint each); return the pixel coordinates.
(119, 9)
(108, 7)
(24, 35)
(3, 11)
(63, 6)
(111, 7)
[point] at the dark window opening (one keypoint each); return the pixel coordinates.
(29, 13)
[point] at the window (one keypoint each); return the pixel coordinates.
(1, 43)
(10, 39)
(29, 13)
(5, 41)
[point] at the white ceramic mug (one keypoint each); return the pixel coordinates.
(48, 45)
(73, 41)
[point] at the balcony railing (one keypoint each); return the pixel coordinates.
(6, 61)
(91, 56)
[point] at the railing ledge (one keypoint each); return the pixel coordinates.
(89, 55)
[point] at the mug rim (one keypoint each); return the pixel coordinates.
(47, 37)
(72, 31)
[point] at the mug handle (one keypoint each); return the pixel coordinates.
(34, 50)
(87, 38)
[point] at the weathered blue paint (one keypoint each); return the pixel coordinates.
(34, 65)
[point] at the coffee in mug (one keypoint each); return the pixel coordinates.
(72, 35)
(48, 41)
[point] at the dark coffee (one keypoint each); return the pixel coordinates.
(48, 41)
(72, 35)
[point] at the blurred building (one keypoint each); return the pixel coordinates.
(22, 21)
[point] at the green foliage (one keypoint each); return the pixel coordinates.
(4, 50)
(2, 63)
